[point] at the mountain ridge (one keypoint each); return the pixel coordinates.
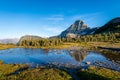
(78, 28)
(111, 26)
(9, 40)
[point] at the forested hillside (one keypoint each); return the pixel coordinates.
(110, 32)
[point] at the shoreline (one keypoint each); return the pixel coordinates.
(69, 45)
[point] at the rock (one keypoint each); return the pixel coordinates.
(88, 62)
(71, 35)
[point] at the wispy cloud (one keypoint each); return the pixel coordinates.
(55, 17)
(87, 15)
(53, 29)
(49, 30)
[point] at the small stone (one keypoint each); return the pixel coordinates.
(88, 62)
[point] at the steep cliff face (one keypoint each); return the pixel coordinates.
(78, 28)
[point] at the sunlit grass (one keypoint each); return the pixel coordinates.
(87, 45)
(7, 46)
(7, 69)
(62, 46)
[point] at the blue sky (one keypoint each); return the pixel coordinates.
(49, 17)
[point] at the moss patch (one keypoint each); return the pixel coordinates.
(41, 74)
(94, 73)
(20, 72)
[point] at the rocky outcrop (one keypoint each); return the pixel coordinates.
(28, 38)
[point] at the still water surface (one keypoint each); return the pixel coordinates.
(55, 56)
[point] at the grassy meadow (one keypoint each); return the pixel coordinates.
(7, 46)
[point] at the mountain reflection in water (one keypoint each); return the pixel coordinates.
(43, 57)
(78, 55)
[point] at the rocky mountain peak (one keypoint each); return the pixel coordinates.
(78, 28)
(79, 22)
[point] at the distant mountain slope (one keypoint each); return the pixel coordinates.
(78, 28)
(6, 41)
(112, 26)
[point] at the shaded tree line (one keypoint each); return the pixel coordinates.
(104, 37)
(40, 42)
